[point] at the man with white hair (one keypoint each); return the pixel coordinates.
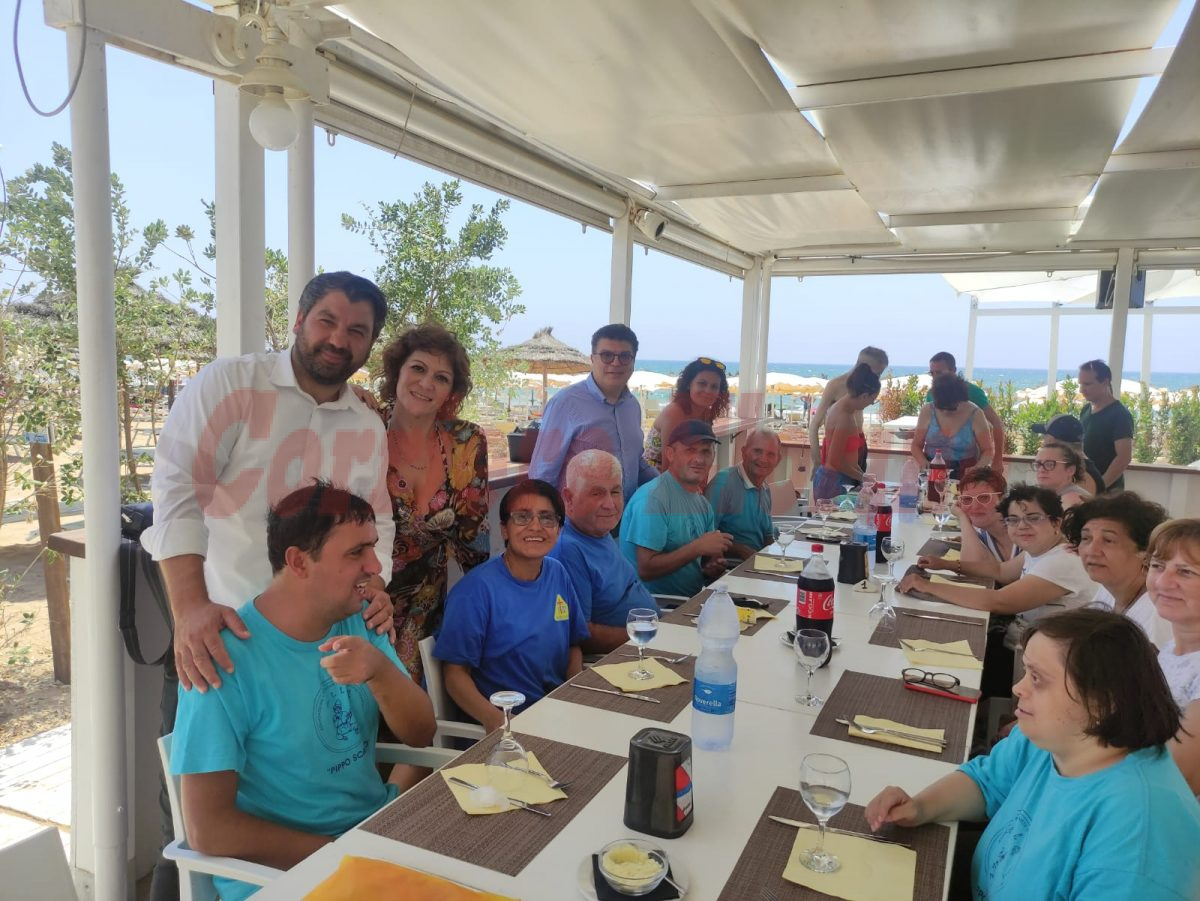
(741, 498)
(606, 582)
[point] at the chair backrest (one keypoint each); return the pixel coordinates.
(783, 497)
(174, 793)
(35, 869)
(433, 679)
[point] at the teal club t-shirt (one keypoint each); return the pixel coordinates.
(302, 745)
(662, 515)
(975, 395)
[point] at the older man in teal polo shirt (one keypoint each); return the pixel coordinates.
(668, 531)
(741, 498)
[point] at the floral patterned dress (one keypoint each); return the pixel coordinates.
(456, 524)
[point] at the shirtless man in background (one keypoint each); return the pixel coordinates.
(834, 391)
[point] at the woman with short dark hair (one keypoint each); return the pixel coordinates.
(953, 425)
(1081, 799)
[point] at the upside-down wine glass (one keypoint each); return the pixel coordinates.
(786, 537)
(642, 626)
(507, 754)
(812, 648)
(892, 549)
(825, 788)
(825, 509)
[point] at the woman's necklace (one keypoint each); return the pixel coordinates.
(421, 467)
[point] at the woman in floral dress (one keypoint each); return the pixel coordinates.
(437, 479)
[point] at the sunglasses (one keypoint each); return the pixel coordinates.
(1031, 519)
(607, 356)
(525, 517)
(937, 680)
(708, 361)
(987, 497)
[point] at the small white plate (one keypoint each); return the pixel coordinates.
(587, 887)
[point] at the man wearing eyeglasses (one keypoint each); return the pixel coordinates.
(599, 413)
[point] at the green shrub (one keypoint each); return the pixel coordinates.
(1182, 437)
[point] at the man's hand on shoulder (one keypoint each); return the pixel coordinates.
(380, 612)
(199, 647)
(353, 660)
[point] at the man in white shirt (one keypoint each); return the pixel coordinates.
(248, 431)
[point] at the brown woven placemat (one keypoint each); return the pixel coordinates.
(672, 698)
(925, 596)
(759, 871)
(923, 629)
(746, 570)
(680, 615)
(936, 547)
(859, 694)
(427, 816)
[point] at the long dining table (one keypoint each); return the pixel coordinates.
(731, 789)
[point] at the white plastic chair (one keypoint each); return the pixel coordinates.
(196, 870)
(35, 869)
(446, 727)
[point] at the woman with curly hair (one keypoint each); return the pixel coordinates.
(701, 392)
(437, 478)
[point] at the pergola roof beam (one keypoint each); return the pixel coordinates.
(798, 185)
(1153, 161)
(982, 217)
(1118, 65)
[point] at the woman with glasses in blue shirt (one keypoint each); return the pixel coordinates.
(701, 392)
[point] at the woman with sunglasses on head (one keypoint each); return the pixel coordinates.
(844, 445)
(514, 622)
(1110, 534)
(1060, 469)
(1173, 581)
(1045, 578)
(1082, 801)
(701, 392)
(985, 540)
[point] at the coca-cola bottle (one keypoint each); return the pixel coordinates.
(814, 596)
(938, 473)
(883, 525)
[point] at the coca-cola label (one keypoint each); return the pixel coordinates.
(814, 604)
(883, 521)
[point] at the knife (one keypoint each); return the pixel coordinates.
(613, 691)
(513, 801)
(800, 825)
(945, 619)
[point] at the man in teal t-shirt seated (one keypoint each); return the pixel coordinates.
(668, 527)
(280, 759)
(943, 363)
(741, 498)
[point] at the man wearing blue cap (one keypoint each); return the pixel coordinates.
(668, 528)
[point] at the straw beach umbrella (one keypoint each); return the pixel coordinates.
(546, 355)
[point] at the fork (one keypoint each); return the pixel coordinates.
(679, 659)
(553, 783)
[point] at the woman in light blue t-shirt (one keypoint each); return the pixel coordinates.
(1083, 799)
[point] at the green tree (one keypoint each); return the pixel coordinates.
(429, 271)
(1183, 430)
(900, 399)
(1146, 443)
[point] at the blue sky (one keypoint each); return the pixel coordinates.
(162, 147)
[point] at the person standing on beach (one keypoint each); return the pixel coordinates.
(599, 413)
(1107, 425)
(943, 363)
(834, 391)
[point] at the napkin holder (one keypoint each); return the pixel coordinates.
(658, 786)
(852, 563)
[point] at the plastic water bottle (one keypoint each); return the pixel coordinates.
(909, 490)
(714, 687)
(864, 531)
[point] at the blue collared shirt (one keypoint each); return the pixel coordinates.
(741, 509)
(580, 418)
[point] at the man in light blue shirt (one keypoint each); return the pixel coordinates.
(668, 526)
(606, 584)
(741, 498)
(598, 413)
(279, 759)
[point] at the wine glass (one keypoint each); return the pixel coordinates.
(825, 788)
(642, 626)
(825, 509)
(892, 549)
(812, 649)
(922, 486)
(786, 537)
(507, 754)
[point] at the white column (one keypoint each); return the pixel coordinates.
(1052, 363)
(302, 264)
(97, 597)
(764, 322)
(1147, 339)
(972, 327)
(240, 226)
(751, 374)
(1122, 283)
(620, 298)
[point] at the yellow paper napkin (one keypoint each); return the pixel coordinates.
(511, 783)
(874, 723)
(617, 674)
(955, 654)
(934, 577)
(765, 564)
(748, 616)
(870, 871)
(361, 877)
(952, 554)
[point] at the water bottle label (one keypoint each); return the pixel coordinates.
(718, 699)
(683, 791)
(814, 604)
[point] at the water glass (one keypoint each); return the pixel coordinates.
(812, 648)
(883, 611)
(642, 626)
(825, 788)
